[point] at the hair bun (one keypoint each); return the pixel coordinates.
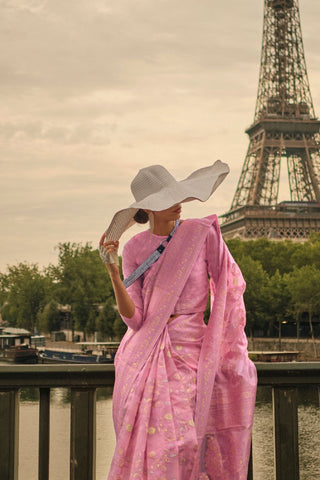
(141, 216)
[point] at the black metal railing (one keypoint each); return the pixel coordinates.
(83, 381)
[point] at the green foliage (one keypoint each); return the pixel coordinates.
(106, 319)
(314, 237)
(277, 299)
(307, 253)
(281, 278)
(82, 282)
(119, 327)
(28, 297)
(90, 326)
(48, 320)
(272, 255)
(255, 294)
(24, 291)
(304, 287)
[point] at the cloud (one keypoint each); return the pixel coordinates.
(30, 6)
(95, 133)
(72, 46)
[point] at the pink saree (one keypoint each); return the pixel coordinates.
(184, 393)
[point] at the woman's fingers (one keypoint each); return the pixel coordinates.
(110, 243)
(111, 246)
(108, 251)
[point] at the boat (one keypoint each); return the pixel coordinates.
(22, 353)
(105, 354)
(15, 346)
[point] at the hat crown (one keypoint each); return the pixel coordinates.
(150, 180)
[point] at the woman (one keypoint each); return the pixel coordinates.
(185, 391)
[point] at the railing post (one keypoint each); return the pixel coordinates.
(83, 434)
(9, 434)
(250, 465)
(44, 434)
(285, 414)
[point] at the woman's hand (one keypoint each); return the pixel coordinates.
(126, 306)
(110, 247)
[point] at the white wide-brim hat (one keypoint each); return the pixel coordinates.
(154, 188)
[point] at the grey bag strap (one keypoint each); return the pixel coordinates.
(150, 260)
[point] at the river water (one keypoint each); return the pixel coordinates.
(309, 434)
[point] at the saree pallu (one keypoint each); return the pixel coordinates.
(186, 414)
(160, 434)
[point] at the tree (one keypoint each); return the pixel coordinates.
(304, 288)
(91, 325)
(237, 248)
(277, 298)
(254, 296)
(119, 327)
(82, 282)
(49, 319)
(307, 253)
(107, 317)
(24, 292)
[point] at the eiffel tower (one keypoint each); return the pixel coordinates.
(284, 129)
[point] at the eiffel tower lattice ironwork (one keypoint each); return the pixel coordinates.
(284, 129)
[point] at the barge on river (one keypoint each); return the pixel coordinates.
(15, 346)
(102, 352)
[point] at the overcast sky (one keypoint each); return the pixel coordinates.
(93, 90)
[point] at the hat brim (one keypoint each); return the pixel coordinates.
(200, 185)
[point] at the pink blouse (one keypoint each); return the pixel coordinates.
(193, 298)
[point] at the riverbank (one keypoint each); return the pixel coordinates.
(308, 350)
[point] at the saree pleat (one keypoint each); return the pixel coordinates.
(160, 432)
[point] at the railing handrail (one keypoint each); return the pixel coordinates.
(51, 376)
(101, 375)
(288, 373)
